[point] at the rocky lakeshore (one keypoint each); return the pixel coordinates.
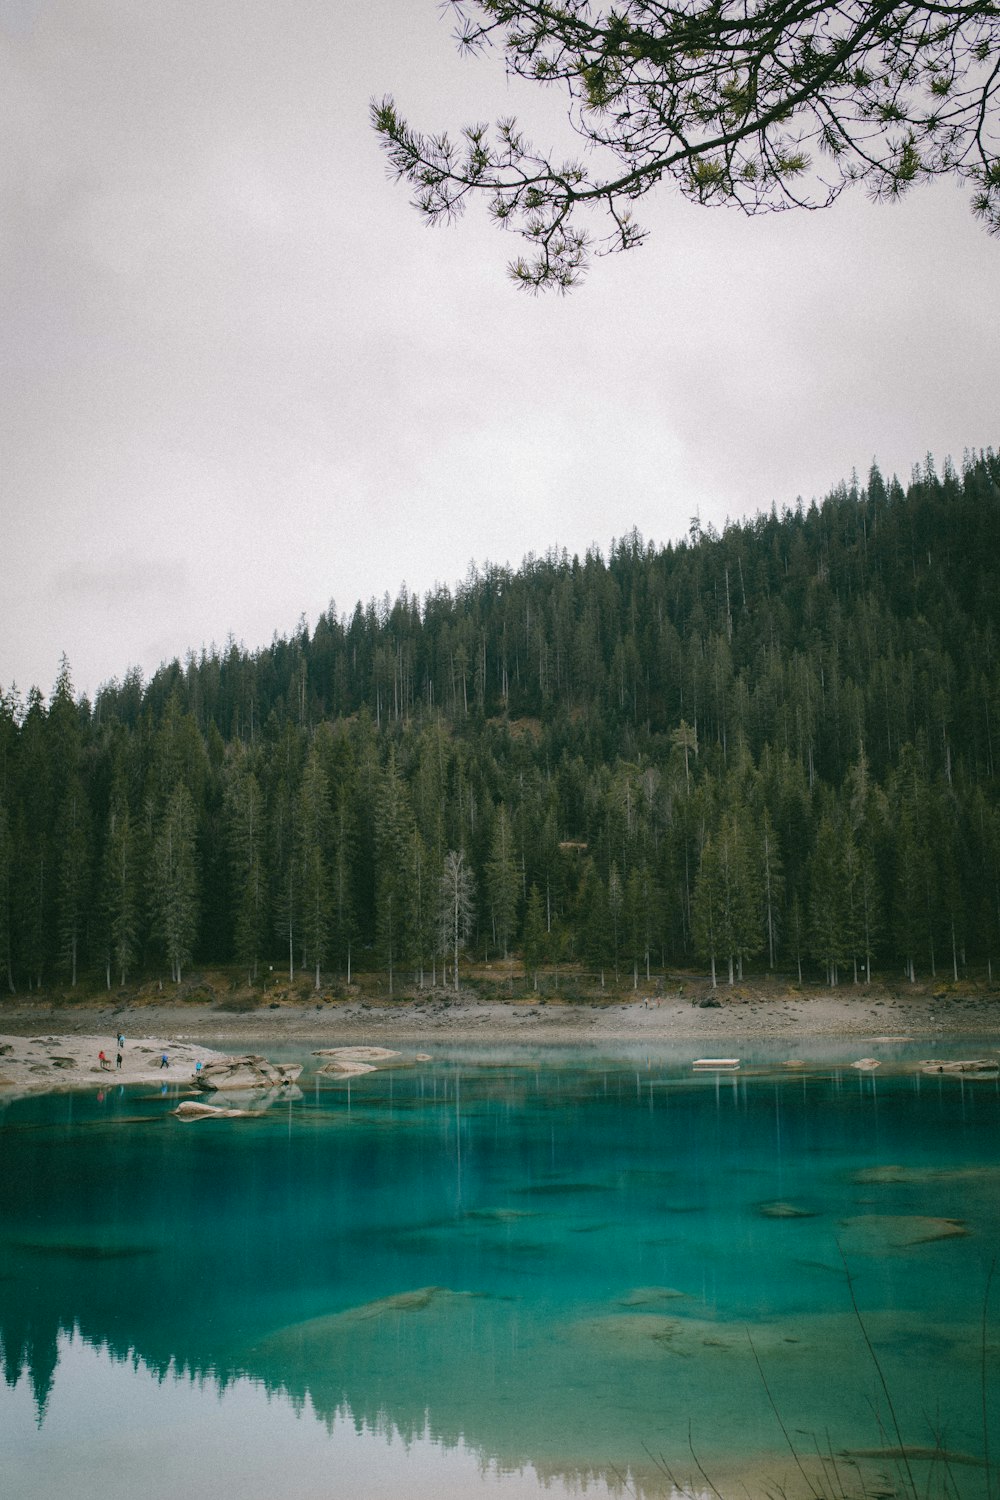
(57, 1045)
(691, 1011)
(46, 1061)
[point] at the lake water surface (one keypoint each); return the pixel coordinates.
(510, 1273)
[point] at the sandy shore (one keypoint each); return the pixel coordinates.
(65, 1039)
(46, 1061)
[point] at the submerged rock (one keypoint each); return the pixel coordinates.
(781, 1210)
(346, 1062)
(909, 1176)
(357, 1054)
(650, 1296)
(935, 1455)
(499, 1215)
(875, 1233)
(318, 1335)
(82, 1250)
(251, 1103)
(650, 1335)
(398, 1302)
(866, 1064)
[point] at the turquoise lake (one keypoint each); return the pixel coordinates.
(518, 1272)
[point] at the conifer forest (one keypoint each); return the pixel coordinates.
(774, 749)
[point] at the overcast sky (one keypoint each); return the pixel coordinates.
(241, 379)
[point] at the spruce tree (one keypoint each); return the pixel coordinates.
(315, 829)
(502, 880)
(244, 809)
(175, 881)
(6, 914)
(829, 916)
(393, 869)
(534, 934)
(708, 906)
(120, 893)
(73, 841)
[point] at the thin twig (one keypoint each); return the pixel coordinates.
(881, 1373)
(659, 1462)
(833, 1461)
(791, 1446)
(623, 1481)
(824, 1482)
(697, 1460)
(986, 1430)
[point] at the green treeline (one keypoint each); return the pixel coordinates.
(774, 747)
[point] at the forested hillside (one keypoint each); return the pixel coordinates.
(777, 747)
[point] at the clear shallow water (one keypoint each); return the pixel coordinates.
(494, 1271)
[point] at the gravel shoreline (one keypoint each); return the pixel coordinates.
(187, 1030)
(48, 1061)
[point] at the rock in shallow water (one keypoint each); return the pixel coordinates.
(194, 1109)
(873, 1234)
(248, 1072)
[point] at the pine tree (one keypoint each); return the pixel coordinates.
(797, 932)
(393, 869)
(908, 887)
(120, 898)
(773, 882)
(708, 906)
(867, 814)
(6, 914)
(315, 830)
(534, 934)
(284, 843)
(743, 890)
(616, 910)
(593, 918)
(73, 843)
(502, 880)
(950, 858)
(456, 906)
(727, 920)
(423, 902)
(829, 916)
(342, 874)
(244, 809)
(175, 881)
(33, 837)
(634, 924)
